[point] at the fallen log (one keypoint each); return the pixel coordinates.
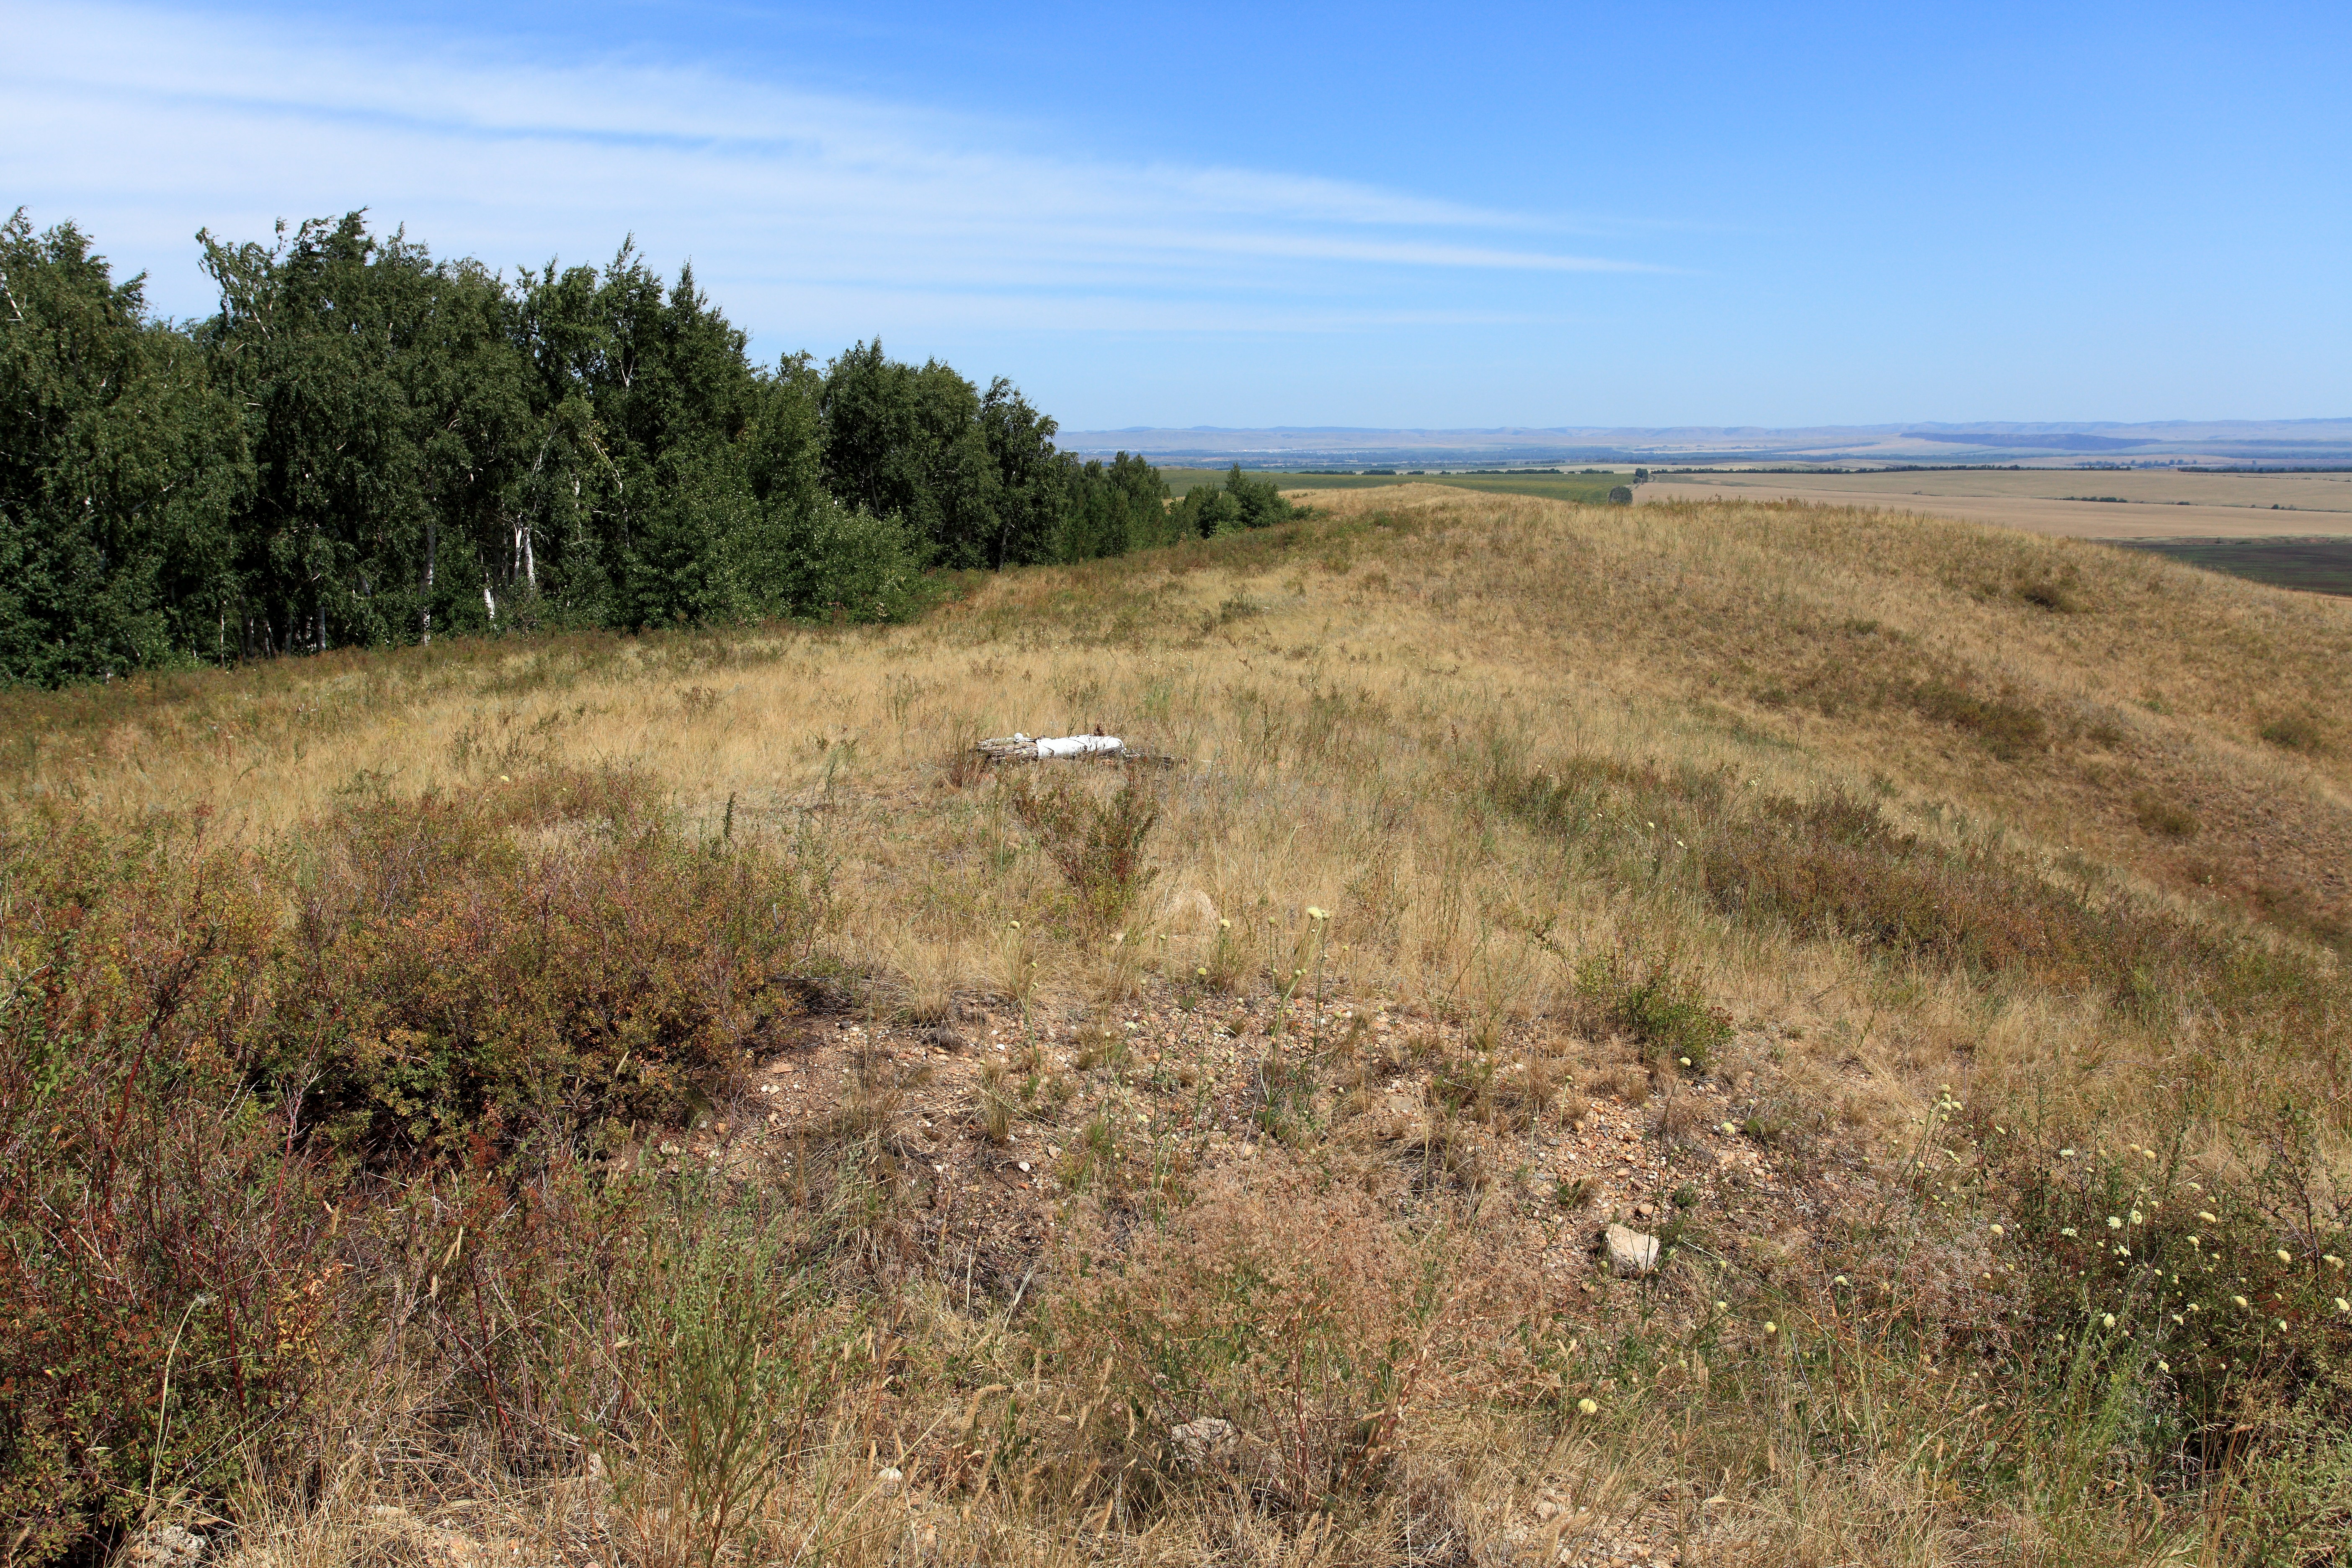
(1020, 748)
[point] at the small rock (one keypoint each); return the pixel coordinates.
(1641, 1211)
(1631, 1252)
(165, 1546)
(1198, 1442)
(1194, 912)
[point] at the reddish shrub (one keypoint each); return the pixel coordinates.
(494, 966)
(161, 1297)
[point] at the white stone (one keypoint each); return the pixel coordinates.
(1192, 911)
(1198, 1442)
(165, 1546)
(1631, 1252)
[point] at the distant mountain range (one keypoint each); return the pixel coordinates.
(2286, 442)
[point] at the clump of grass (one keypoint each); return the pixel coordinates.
(2057, 589)
(1287, 1308)
(2293, 733)
(450, 982)
(993, 1105)
(2009, 729)
(1657, 1005)
(1095, 841)
(2165, 818)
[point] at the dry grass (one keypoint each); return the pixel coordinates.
(1863, 805)
(1342, 735)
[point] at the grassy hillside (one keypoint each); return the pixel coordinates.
(658, 1099)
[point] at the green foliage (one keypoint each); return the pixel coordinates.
(729, 1367)
(1115, 509)
(1242, 501)
(121, 464)
(1096, 842)
(1658, 1006)
(370, 446)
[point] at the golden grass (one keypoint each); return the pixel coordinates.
(1352, 700)
(1333, 691)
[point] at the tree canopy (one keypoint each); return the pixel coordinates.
(367, 444)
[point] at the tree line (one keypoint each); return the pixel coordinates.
(368, 445)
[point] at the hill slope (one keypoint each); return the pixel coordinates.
(1871, 906)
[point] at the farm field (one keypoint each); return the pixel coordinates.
(2316, 565)
(664, 1100)
(1567, 486)
(2075, 503)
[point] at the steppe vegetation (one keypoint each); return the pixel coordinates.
(658, 1100)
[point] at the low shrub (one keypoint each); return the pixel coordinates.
(204, 1056)
(1835, 868)
(2293, 733)
(2056, 589)
(2009, 730)
(1657, 1005)
(2162, 817)
(451, 980)
(1095, 841)
(163, 1300)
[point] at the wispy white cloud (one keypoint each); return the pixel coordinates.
(817, 215)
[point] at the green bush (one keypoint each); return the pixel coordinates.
(1663, 1009)
(1240, 502)
(1096, 842)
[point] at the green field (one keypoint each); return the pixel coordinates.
(2313, 565)
(1571, 487)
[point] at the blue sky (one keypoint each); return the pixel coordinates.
(1364, 214)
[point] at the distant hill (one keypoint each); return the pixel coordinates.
(2269, 443)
